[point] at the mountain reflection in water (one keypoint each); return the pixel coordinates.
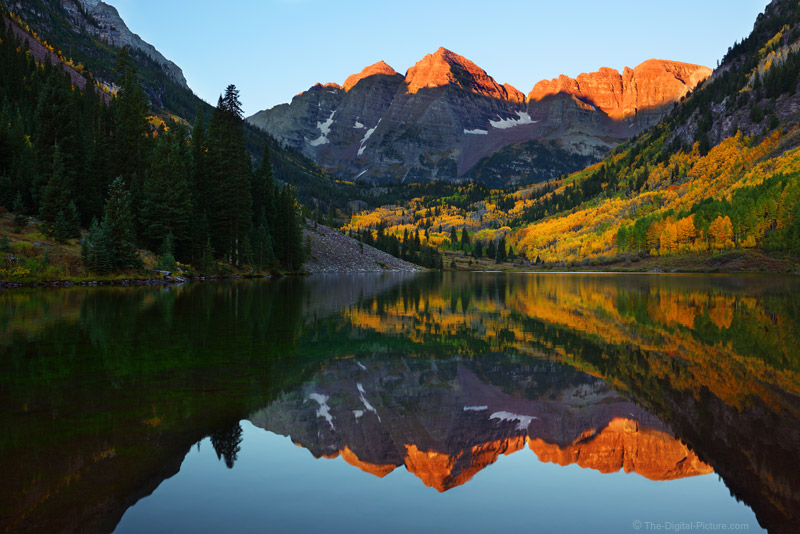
(104, 391)
(444, 423)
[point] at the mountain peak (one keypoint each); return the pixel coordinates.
(651, 84)
(445, 67)
(381, 67)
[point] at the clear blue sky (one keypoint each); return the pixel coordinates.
(274, 49)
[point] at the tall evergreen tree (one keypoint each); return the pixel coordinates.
(464, 237)
(57, 194)
(130, 108)
(263, 192)
(20, 220)
(491, 250)
(500, 253)
(54, 121)
(200, 189)
(263, 255)
(97, 250)
(98, 174)
(67, 225)
(229, 172)
(290, 231)
(167, 205)
(118, 224)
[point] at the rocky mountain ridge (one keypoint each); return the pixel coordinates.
(447, 115)
(104, 21)
(651, 85)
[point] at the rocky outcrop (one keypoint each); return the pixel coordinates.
(447, 116)
(650, 87)
(332, 252)
(444, 424)
(102, 20)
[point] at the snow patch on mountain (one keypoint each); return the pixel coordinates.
(504, 124)
(366, 138)
(324, 129)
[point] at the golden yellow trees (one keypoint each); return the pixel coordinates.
(654, 235)
(687, 232)
(720, 233)
(669, 238)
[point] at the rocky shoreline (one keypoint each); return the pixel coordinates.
(95, 283)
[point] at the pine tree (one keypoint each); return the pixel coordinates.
(20, 220)
(118, 224)
(477, 250)
(464, 237)
(56, 195)
(263, 256)
(167, 206)
(166, 260)
(248, 256)
(99, 172)
(60, 229)
(67, 226)
(208, 257)
(131, 129)
(199, 188)
(263, 193)
(293, 248)
(97, 250)
(500, 254)
(229, 172)
(54, 121)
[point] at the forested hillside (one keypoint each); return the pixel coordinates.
(82, 41)
(74, 158)
(721, 172)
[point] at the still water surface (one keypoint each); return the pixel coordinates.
(396, 403)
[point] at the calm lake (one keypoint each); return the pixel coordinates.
(435, 402)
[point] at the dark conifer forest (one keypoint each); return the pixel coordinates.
(83, 158)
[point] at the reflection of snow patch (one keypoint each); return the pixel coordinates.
(359, 175)
(524, 420)
(504, 124)
(475, 408)
(324, 410)
(366, 138)
(366, 403)
(359, 126)
(325, 129)
(476, 131)
(358, 413)
(363, 367)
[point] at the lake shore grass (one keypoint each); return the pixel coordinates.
(29, 258)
